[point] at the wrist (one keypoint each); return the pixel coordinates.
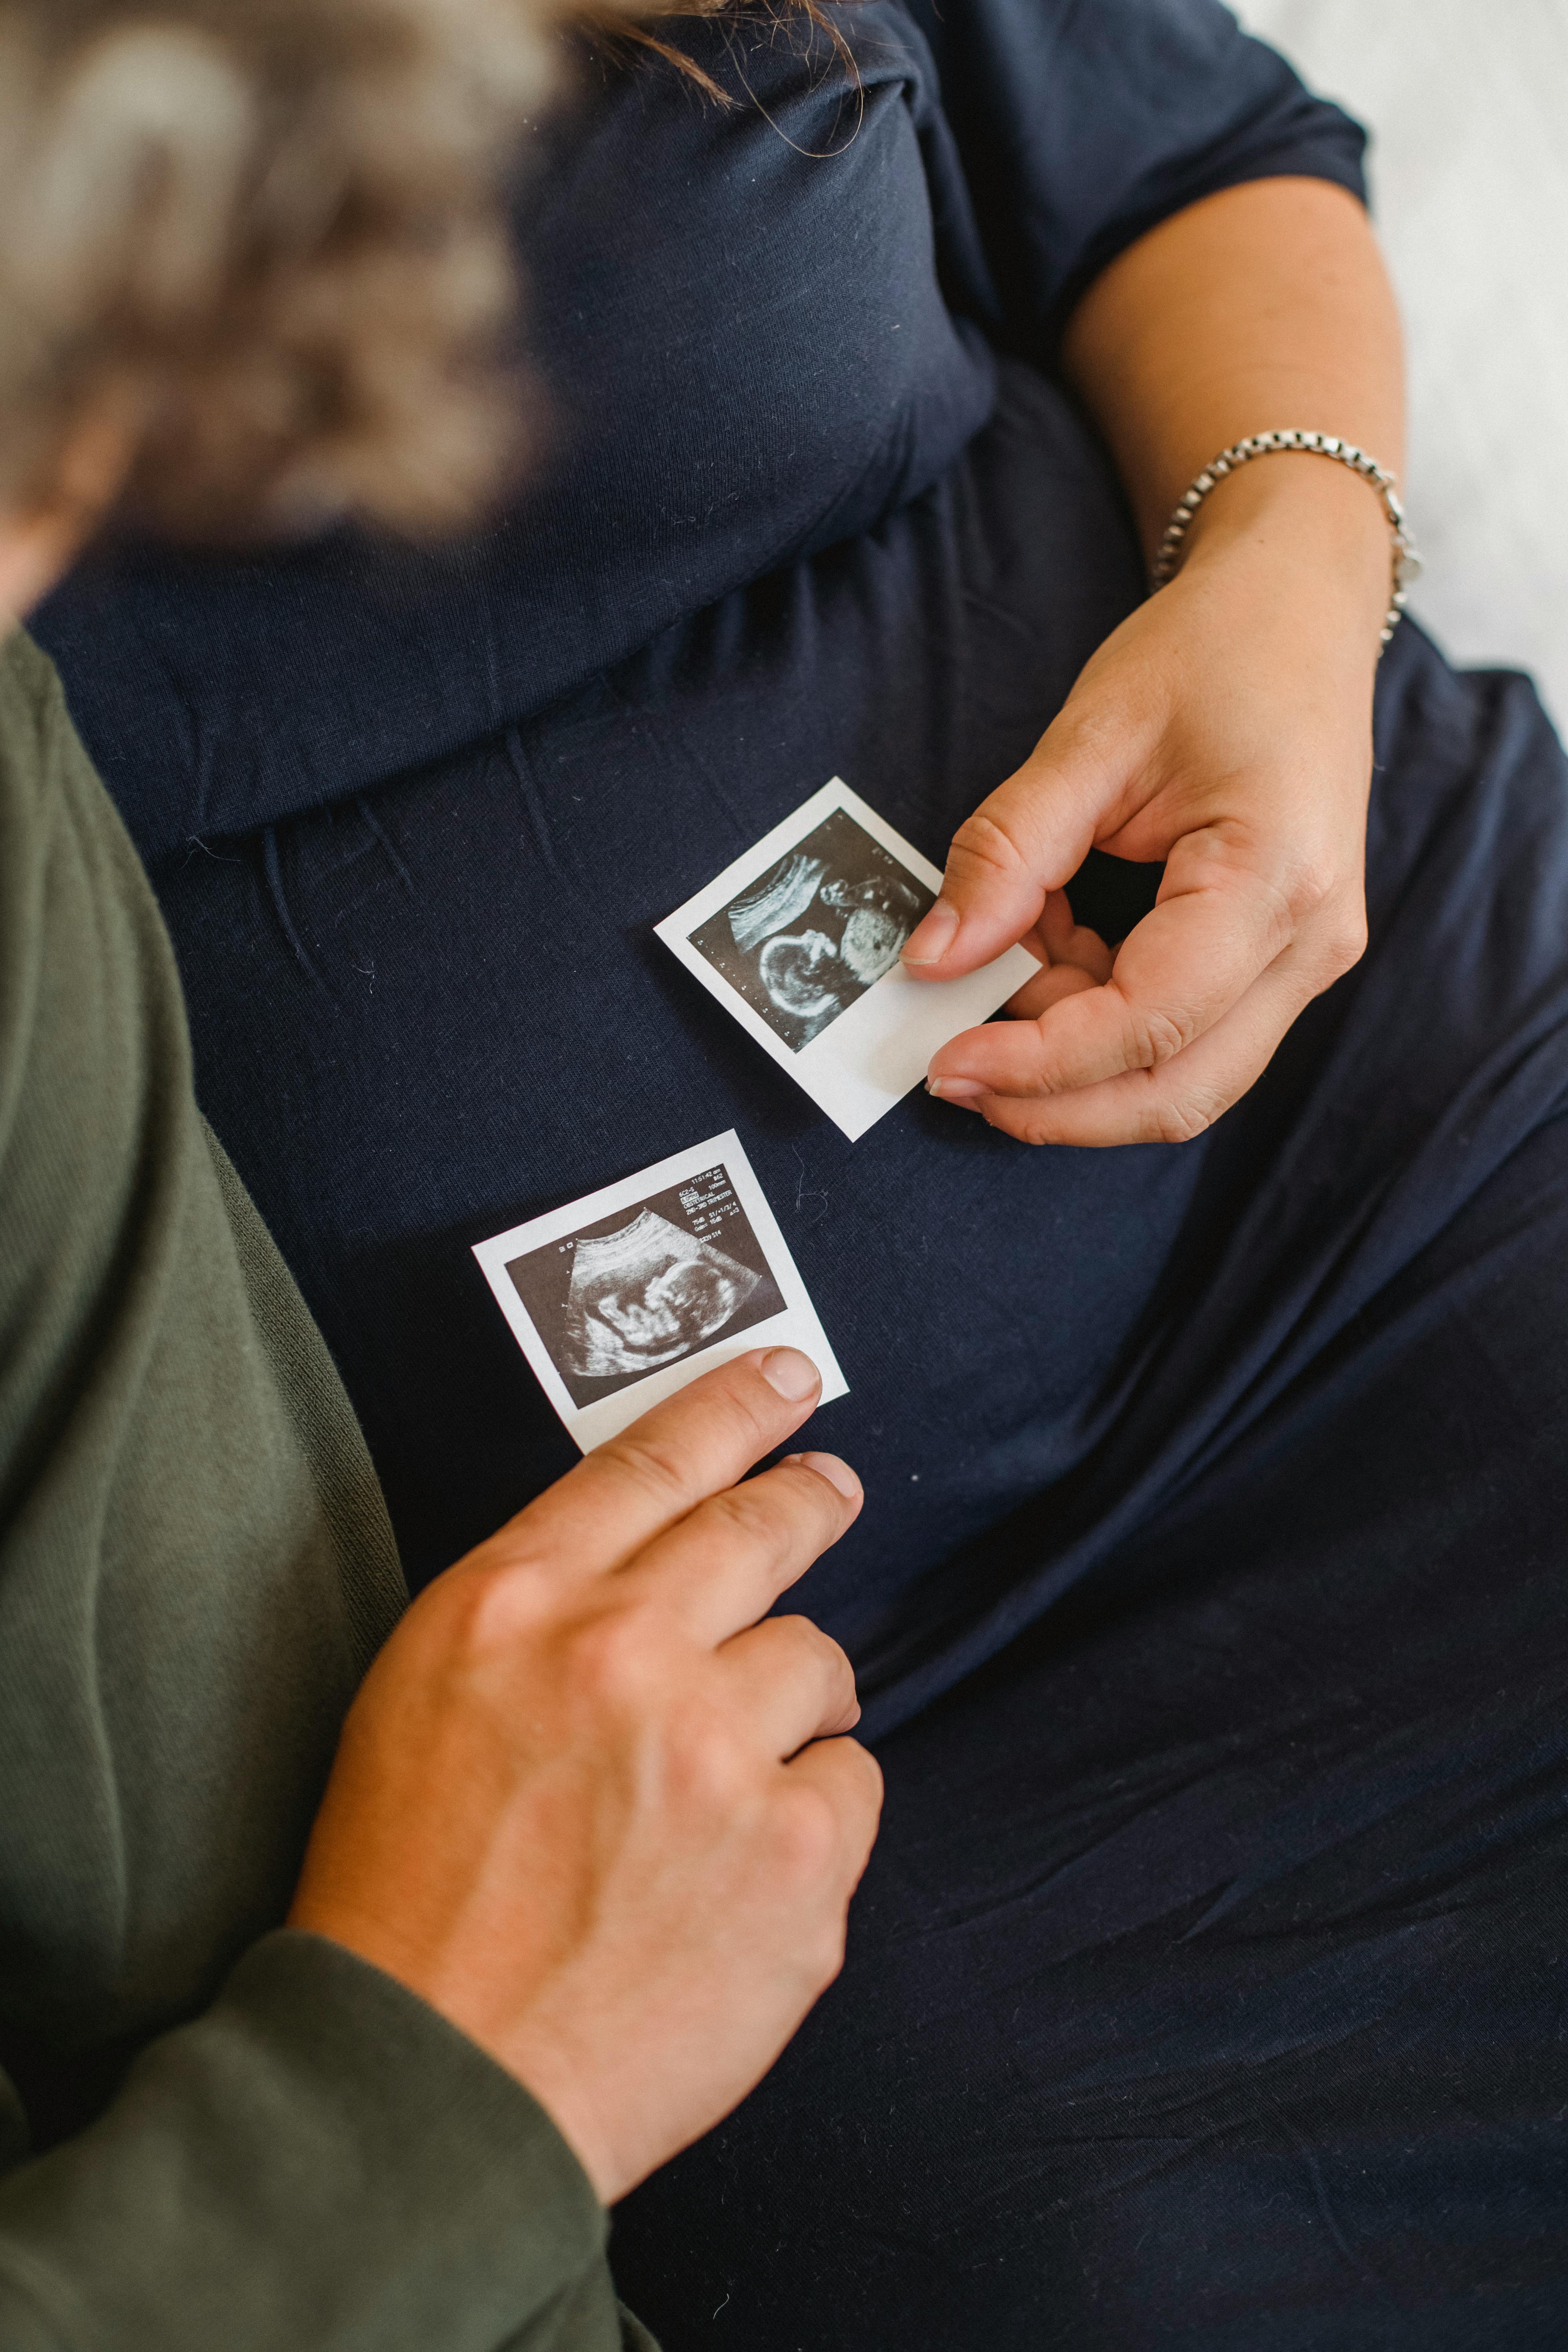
(1304, 526)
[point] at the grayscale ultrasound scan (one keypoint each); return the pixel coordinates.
(817, 929)
(646, 1286)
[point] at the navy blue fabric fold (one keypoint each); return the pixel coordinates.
(1205, 1988)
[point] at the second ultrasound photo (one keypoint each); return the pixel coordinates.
(617, 1299)
(647, 1285)
(799, 939)
(816, 931)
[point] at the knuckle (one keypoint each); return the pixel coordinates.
(749, 1407)
(651, 1463)
(805, 1837)
(708, 1767)
(770, 1519)
(487, 1606)
(759, 1516)
(1181, 1118)
(1034, 1127)
(1311, 885)
(983, 840)
(816, 1648)
(616, 1661)
(1155, 1035)
(861, 1767)
(819, 1657)
(1346, 942)
(854, 1791)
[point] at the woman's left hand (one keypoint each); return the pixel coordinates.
(1224, 727)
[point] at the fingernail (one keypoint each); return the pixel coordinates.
(838, 1474)
(930, 939)
(794, 1375)
(954, 1089)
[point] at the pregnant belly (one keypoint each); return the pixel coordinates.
(438, 1009)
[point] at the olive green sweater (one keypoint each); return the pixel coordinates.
(213, 2131)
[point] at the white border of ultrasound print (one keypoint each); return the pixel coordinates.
(867, 1060)
(797, 1326)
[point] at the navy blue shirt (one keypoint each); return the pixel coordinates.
(754, 333)
(808, 501)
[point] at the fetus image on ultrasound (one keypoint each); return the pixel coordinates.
(648, 1286)
(817, 929)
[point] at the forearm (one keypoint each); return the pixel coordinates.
(1266, 304)
(319, 2159)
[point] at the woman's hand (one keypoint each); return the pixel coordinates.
(592, 1810)
(1224, 727)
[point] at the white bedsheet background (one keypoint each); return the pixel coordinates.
(1467, 104)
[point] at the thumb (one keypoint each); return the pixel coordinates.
(1027, 839)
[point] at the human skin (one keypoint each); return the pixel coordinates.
(1225, 726)
(592, 1810)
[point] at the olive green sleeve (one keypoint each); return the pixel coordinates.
(215, 2135)
(320, 2160)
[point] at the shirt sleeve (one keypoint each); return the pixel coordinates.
(320, 2160)
(1081, 123)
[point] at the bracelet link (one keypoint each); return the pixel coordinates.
(1292, 438)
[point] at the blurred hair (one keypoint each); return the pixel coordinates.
(266, 239)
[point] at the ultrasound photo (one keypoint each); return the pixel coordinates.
(656, 1282)
(814, 931)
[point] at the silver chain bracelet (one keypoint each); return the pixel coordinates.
(1407, 562)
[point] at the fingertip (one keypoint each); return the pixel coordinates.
(790, 1373)
(964, 1093)
(838, 1474)
(933, 937)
